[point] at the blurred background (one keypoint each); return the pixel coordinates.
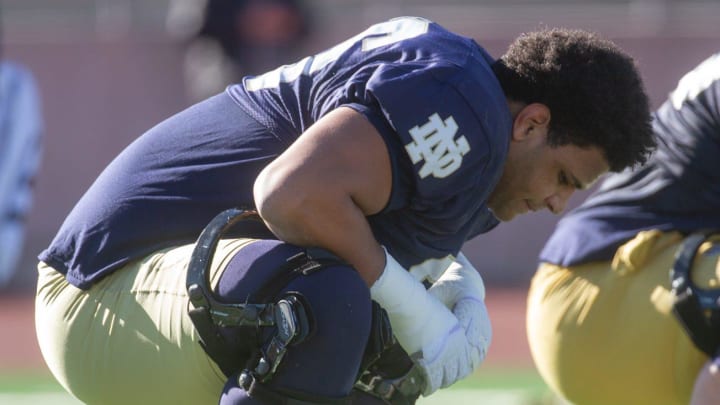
(107, 70)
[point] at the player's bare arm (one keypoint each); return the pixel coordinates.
(319, 191)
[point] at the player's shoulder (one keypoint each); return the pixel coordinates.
(704, 78)
(410, 33)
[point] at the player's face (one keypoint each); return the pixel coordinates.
(538, 176)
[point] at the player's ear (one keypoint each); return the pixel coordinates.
(531, 120)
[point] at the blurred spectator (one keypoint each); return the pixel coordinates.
(20, 149)
(241, 37)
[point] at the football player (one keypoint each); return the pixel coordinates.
(369, 165)
(626, 295)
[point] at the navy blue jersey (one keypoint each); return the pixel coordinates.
(430, 93)
(678, 189)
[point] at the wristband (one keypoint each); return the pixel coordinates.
(420, 321)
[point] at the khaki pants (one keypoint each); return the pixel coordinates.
(603, 333)
(128, 339)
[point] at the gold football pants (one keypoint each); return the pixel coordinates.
(603, 333)
(128, 339)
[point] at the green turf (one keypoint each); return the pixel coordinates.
(501, 378)
(488, 386)
(28, 381)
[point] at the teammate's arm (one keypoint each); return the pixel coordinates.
(319, 191)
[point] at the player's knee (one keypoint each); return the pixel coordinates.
(340, 304)
(326, 363)
(339, 298)
(337, 301)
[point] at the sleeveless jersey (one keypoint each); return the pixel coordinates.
(430, 93)
(677, 189)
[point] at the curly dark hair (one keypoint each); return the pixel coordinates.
(593, 90)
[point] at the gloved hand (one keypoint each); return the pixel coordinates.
(425, 328)
(447, 361)
(462, 290)
(460, 280)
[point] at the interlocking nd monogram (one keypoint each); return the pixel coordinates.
(434, 142)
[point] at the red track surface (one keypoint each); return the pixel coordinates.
(19, 350)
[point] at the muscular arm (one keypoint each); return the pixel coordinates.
(319, 191)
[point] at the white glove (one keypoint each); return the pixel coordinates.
(424, 327)
(458, 281)
(456, 359)
(462, 290)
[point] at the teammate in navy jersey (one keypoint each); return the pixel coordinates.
(604, 306)
(369, 165)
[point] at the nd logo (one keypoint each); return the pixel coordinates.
(434, 143)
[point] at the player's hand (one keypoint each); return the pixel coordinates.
(425, 327)
(462, 290)
(447, 360)
(458, 281)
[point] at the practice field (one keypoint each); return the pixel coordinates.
(507, 376)
(487, 387)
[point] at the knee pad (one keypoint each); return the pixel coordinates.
(310, 300)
